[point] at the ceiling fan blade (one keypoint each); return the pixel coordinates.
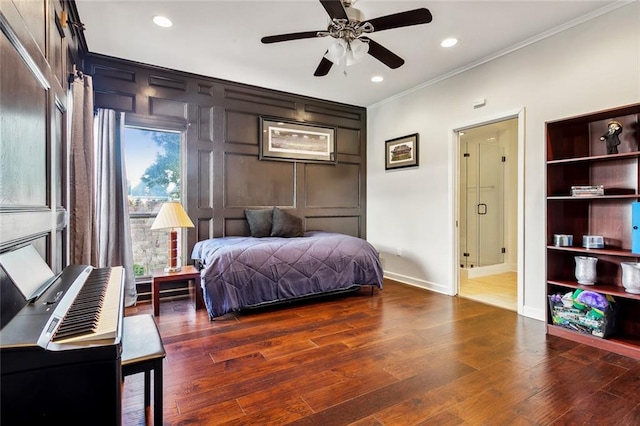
(290, 36)
(383, 54)
(323, 68)
(335, 9)
(402, 19)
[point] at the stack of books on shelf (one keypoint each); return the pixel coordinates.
(587, 190)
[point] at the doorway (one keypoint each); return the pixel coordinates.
(482, 175)
(487, 218)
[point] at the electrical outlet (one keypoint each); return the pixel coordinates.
(398, 251)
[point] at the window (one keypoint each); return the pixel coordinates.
(152, 161)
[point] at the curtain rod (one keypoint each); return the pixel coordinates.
(75, 74)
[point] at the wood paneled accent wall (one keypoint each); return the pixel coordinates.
(37, 53)
(224, 174)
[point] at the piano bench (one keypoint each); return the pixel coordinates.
(142, 351)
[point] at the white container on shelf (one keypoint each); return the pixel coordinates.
(586, 269)
(631, 277)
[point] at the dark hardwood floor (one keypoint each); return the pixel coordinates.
(402, 356)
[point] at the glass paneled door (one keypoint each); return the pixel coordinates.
(481, 203)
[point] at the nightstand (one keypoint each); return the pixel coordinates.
(187, 273)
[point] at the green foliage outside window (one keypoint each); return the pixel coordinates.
(153, 163)
(165, 171)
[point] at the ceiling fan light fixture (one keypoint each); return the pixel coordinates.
(336, 51)
(348, 28)
(349, 52)
(358, 49)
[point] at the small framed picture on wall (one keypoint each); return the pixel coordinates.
(401, 152)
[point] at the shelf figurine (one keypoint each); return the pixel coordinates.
(611, 136)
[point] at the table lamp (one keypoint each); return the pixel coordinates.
(172, 216)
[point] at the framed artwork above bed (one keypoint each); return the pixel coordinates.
(284, 140)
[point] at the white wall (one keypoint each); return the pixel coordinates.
(590, 67)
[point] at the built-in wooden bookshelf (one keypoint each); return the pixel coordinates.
(577, 156)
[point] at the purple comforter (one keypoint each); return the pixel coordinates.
(242, 272)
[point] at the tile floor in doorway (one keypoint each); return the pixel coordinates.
(497, 290)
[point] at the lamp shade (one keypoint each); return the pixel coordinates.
(357, 51)
(336, 51)
(349, 52)
(172, 215)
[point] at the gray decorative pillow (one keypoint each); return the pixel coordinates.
(259, 222)
(286, 225)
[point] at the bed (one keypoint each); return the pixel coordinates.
(246, 272)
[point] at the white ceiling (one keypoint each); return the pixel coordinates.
(221, 39)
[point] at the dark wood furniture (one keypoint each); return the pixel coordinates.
(576, 155)
(143, 352)
(187, 273)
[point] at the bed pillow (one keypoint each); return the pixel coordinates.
(286, 225)
(259, 222)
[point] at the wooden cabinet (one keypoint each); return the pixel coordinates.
(577, 156)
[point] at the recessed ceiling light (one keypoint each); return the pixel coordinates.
(449, 42)
(377, 78)
(162, 21)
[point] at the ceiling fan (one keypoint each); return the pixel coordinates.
(349, 29)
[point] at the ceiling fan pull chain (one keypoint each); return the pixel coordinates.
(344, 59)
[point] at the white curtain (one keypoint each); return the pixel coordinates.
(112, 208)
(82, 233)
